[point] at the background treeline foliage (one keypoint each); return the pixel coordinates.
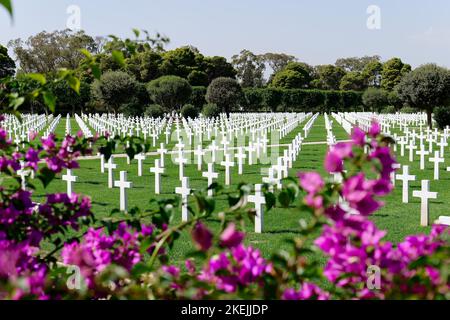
(139, 76)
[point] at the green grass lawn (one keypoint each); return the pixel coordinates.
(397, 218)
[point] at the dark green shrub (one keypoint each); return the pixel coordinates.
(154, 111)
(169, 91)
(210, 110)
(375, 99)
(189, 111)
(442, 117)
(198, 78)
(114, 89)
(226, 93)
(408, 109)
(389, 109)
(197, 98)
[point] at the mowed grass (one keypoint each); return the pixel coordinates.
(279, 224)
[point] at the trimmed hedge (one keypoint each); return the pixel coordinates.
(301, 100)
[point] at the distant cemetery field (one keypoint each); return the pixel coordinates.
(245, 148)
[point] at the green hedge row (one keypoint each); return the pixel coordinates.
(266, 99)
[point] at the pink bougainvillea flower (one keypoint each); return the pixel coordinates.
(358, 136)
(202, 236)
(230, 237)
(311, 182)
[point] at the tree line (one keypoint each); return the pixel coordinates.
(139, 75)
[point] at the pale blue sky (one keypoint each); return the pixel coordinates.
(315, 31)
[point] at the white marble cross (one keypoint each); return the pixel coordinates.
(271, 180)
(140, 158)
(227, 164)
(241, 156)
(442, 144)
(210, 175)
(181, 160)
(395, 166)
(422, 153)
(110, 165)
(157, 170)
(69, 178)
(184, 192)
(259, 200)
(162, 151)
(123, 185)
(102, 162)
(411, 147)
(405, 177)
(22, 172)
(199, 153)
(444, 220)
(424, 194)
(436, 160)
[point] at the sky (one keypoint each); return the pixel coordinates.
(315, 31)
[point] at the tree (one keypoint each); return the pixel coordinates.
(375, 99)
(289, 79)
(198, 78)
(68, 100)
(392, 72)
(114, 89)
(181, 61)
(372, 74)
(226, 93)
(277, 61)
(353, 80)
(356, 64)
(328, 77)
(145, 66)
(250, 69)
(7, 65)
(171, 92)
(216, 67)
(46, 52)
(425, 88)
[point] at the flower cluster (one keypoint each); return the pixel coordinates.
(235, 268)
(99, 250)
(308, 291)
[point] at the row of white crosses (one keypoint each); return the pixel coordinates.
(68, 125)
(408, 142)
(84, 128)
(21, 131)
(52, 126)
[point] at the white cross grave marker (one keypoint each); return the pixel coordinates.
(405, 177)
(259, 200)
(157, 170)
(110, 165)
(424, 194)
(123, 185)
(210, 175)
(69, 178)
(184, 192)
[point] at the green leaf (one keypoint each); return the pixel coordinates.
(74, 83)
(284, 198)
(16, 102)
(270, 200)
(136, 32)
(49, 100)
(38, 77)
(96, 71)
(86, 53)
(7, 5)
(46, 176)
(118, 57)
